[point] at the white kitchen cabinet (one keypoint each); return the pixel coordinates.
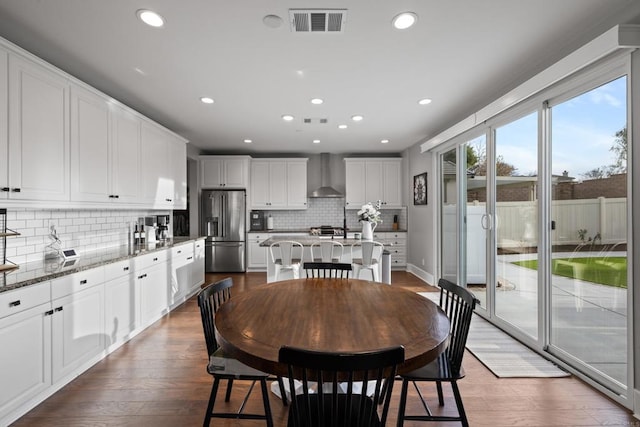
(152, 285)
(4, 124)
(373, 179)
(355, 183)
(38, 133)
(279, 184)
(197, 267)
(90, 163)
(121, 306)
(125, 156)
(228, 172)
(160, 183)
(396, 243)
(77, 329)
(178, 161)
(181, 260)
(25, 343)
(256, 254)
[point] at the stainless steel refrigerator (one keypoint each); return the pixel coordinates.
(223, 223)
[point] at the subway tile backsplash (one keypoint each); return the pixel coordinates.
(83, 230)
(330, 212)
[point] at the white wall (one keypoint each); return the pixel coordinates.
(421, 242)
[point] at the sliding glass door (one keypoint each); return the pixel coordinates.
(589, 240)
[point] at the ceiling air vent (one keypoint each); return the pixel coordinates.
(317, 21)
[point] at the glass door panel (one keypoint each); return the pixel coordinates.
(516, 223)
(477, 222)
(449, 216)
(589, 240)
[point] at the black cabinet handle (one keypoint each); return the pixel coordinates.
(125, 269)
(15, 190)
(48, 313)
(14, 303)
(116, 196)
(142, 276)
(83, 282)
(58, 309)
(155, 259)
(188, 258)
(6, 189)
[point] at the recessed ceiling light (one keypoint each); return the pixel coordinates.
(287, 117)
(140, 71)
(150, 18)
(316, 141)
(404, 20)
(425, 101)
(384, 141)
(317, 101)
(207, 100)
(342, 126)
(248, 141)
(357, 118)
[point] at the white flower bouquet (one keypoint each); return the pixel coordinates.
(370, 213)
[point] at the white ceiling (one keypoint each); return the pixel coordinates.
(462, 54)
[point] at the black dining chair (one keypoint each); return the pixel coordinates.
(223, 368)
(327, 269)
(339, 389)
(458, 303)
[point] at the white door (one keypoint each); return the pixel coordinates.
(89, 146)
(38, 132)
(77, 330)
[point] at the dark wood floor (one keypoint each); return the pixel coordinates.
(159, 379)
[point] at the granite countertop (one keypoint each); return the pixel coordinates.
(43, 270)
(309, 240)
(306, 230)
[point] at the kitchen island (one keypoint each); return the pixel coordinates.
(306, 242)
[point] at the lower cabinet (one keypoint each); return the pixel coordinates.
(53, 331)
(256, 254)
(120, 304)
(25, 355)
(77, 331)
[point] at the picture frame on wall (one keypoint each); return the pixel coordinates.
(420, 189)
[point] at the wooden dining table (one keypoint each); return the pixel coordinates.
(332, 315)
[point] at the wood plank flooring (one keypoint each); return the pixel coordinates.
(159, 379)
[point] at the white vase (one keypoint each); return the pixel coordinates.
(367, 230)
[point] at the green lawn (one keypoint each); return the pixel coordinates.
(611, 271)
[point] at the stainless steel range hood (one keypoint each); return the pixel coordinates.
(325, 190)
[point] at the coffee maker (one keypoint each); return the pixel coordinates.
(162, 230)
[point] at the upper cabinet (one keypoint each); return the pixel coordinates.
(229, 172)
(38, 144)
(64, 142)
(279, 183)
(162, 179)
(373, 179)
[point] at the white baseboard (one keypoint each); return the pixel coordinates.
(420, 273)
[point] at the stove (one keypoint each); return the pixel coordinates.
(326, 230)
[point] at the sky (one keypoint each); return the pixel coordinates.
(583, 131)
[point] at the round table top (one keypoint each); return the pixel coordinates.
(329, 315)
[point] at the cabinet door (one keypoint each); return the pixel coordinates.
(197, 266)
(211, 172)
(157, 189)
(77, 331)
(38, 132)
(154, 293)
(125, 156)
(89, 146)
(374, 181)
(178, 159)
(257, 255)
(277, 185)
(235, 173)
(25, 358)
(355, 184)
(4, 124)
(121, 310)
(259, 184)
(391, 183)
(297, 185)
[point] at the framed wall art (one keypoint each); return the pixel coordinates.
(420, 189)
